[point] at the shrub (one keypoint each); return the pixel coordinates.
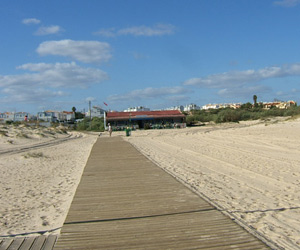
(97, 124)
(3, 133)
(147, 126)
(228, 115)
(34, 155)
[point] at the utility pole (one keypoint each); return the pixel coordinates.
(90, 115)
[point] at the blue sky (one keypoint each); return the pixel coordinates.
(155, 53)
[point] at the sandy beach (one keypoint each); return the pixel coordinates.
(249, 170)
(37, 186)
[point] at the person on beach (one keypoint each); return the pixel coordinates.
(109, 129)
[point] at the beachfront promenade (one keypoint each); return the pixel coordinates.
(124, 201)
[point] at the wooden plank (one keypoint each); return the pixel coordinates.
(16, 243)
(124, 201)
(27, 243)
(38, 243)
(5, 243)
(50, 242)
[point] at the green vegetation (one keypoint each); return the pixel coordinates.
(34, 155)
(97, 124)
(23, 135)
(78, 115)
(246, 112)
(3, 133)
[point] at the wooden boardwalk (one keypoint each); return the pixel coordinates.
(124, 201)
(28, 243)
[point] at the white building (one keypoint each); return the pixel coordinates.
(96, 111)
(7, 116)
(135, 109)
(210, 106)
(180, 108)
(48, 116)
(221, 105)
(191, 107)
(20, 116)
(66, 116)
(14, 116)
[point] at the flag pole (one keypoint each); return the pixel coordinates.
(105, 116)
(104, 120)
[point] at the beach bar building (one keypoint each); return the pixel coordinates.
(146, 119)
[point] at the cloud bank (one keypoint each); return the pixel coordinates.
(287, 3)
(243, 83)
(49, 30)
(238, 78)
(149, 93)
(156, 30)
(83, 51)
(45, 81)
(29, 21)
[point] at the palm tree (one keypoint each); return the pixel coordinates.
(74, 111)
(255, 100)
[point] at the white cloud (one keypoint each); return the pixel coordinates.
(28, 21)
(84, 51)
(156, 30)
(239, 78)
(28, 95)
(47, 81)
(287, 3)
(66, 75)
(149, 93)
(54, 29)
(111, 32)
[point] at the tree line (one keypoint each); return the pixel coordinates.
(246, 112)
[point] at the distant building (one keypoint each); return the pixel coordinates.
(136, 109)
(96, 111)
(180, 108)
(20, 116)
(221, 105)
(7, 116)
(235, 105)
(48, 116)
(211, 106)
(14, 116)
(280, 105)
(66, 116)
(191, 107)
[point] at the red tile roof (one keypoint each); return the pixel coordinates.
(144, 115)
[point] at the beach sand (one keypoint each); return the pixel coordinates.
(249, 170)
(37, 186)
